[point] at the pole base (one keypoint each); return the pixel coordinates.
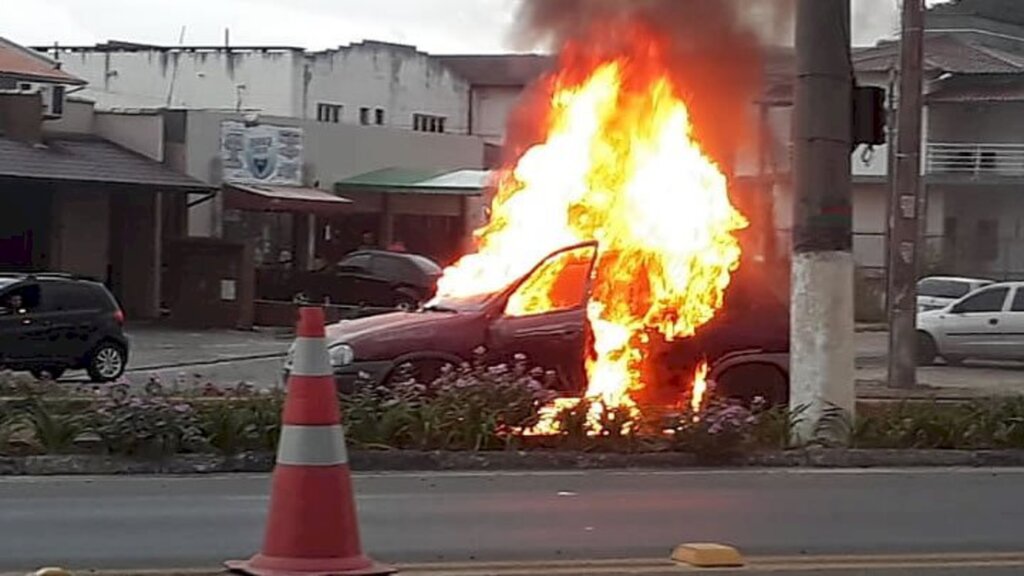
(260, 565)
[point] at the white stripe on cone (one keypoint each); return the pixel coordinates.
(312, 446)
(311, 357)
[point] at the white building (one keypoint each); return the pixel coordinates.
(369, 83)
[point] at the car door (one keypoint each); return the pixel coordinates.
(545, 316)
(21, 334)
(349, 282)
(68, 316)
(971, 328)
(1011, 327)
(387, 273)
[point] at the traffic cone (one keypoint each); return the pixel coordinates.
(312, 529)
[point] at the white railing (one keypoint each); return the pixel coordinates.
(975, 160)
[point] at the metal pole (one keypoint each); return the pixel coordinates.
(906, 203)
(822, 332)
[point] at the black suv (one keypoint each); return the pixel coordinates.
(50, 323)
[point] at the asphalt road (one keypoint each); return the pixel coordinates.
(125, 522)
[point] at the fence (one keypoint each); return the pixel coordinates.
(975, 160)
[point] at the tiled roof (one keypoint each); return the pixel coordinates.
(21, 63)
(87, 159)
(983, 89)
(499, 69)
(943, 53)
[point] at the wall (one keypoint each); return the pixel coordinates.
(81, 231)
(78, 118)
(200, 78)
(492, 106)
(333, 152)
(142, 133)
(399, 79)
(989, 123)
(969, 206)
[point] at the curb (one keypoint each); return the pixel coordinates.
(411, 461)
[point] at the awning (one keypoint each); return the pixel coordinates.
(263, 198)
(90, 159)
(413, 181)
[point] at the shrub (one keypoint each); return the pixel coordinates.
(150, 426)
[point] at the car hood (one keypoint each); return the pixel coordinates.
(397, 333)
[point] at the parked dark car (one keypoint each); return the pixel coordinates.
(747, 347)
(51, 323)
(364, 278)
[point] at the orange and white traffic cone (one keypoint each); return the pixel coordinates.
(312, 529)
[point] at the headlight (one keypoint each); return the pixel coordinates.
(341, 355)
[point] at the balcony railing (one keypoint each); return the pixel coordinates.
(975, 160)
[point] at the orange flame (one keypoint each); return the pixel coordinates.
(700, 387)
(619, 164)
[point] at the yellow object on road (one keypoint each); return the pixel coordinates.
(706, 555)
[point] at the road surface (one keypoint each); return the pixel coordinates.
(126, 522)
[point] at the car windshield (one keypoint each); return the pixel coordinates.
(938, 288)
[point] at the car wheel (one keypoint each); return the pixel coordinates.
(747, 382)
(107, 362)
(954, 360)
(406, 300)
(926, 349)
(48, 373)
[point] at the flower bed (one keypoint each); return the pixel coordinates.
(474, 408)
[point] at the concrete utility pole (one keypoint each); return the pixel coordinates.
(821, 342)
(906, 203)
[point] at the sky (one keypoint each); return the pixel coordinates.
(436, 26)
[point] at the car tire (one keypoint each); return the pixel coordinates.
(927, 351)
(49, 373)
(954, 360)
(406, 300)
(107, 362)
(747, 382)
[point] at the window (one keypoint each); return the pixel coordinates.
(428, 123)
(396, 269)
(1018, 301)
(943, 288)
(559, 284)
(985, 301)
(358, 261)
(379, 116)
(20, 300)
(72, 296)
(329, 113)
(364, 116)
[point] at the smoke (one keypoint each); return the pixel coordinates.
(717, 51)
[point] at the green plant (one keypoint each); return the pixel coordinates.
(774, 426)
(238, 425)
(154, 427)
(53, 426)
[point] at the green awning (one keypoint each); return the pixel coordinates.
(416, 181)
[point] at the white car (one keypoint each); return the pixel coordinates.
(987, 323)
(937, 292)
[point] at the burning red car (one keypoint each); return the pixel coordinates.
(746, 346)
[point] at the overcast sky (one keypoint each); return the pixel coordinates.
(438, 26)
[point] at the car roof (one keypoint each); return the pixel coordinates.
(422, 262)
(958, 279)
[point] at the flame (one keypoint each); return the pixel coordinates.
(620, 164)
(699, 388)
